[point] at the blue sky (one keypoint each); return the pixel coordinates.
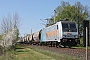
(31, 11)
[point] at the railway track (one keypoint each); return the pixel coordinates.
(77, 52)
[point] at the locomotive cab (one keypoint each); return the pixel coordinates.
(69, 34)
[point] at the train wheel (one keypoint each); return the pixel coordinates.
(51, 43)
(57, 44)
(69, 46)
(40, 44)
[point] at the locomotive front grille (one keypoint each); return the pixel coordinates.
(69, 35)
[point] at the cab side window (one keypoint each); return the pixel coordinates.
(57, 27)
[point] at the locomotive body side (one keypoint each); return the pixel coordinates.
(51, 33)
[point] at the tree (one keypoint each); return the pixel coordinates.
(10, 31)
(6, 24)
(9, 22)
(16, 20)
(82, 14)
(67, 13)
(62, 6)
(76, 12)
(58, 11)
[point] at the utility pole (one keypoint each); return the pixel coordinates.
(54, 23)
(78, 19)
(54, 16)
(31, 31)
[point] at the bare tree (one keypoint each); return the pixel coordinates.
(16, 20)
(10, 22)
(5, 25)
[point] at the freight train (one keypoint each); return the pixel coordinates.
(62, 33)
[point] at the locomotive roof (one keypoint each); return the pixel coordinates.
(68, 21)
(64, 21)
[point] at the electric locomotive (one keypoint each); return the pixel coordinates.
(64, 33)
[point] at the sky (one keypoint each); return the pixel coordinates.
(31, 12)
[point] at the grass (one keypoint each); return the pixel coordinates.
(80, 46)
(31, 53)
(54, 55)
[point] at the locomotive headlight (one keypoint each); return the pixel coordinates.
(64, 40)
(76, 36)
(70, 40)
(64, 36)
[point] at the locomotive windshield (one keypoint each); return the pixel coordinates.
(69, 27)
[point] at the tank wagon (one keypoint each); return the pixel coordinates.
(30, 38)
(36, 37)
(63, 33)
